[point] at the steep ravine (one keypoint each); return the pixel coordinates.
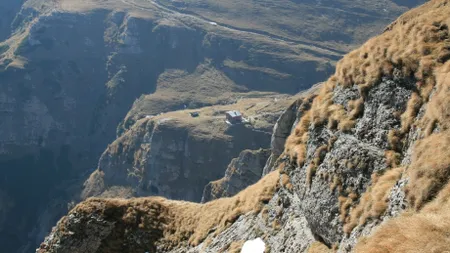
(365, 169)
(73, 79)
(71, 72)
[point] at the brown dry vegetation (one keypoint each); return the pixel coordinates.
(180, 223)
(416, 47)
(374, 201)
(319, 155)
(236, 247)
(286, 182)
(426, 227)
(318, 247)
(217, 187)
(426, 231)
(429, 171)
(409, 116)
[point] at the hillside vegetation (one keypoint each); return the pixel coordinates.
(367, 164)
(70, 70)
(165, 224)
(415, 47)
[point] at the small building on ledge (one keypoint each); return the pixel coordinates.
(195, 114)
(234, 117)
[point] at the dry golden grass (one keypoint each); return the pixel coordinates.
(286, 182)
(336, 183)
(234, 247)
(176, 223)
(394, 140)
(426, 231)
(318, 247)
(344, 204)
(217, 187)
(429, 170)
(418, 44)
(409, 116)
(356, 108)
(374, 201)
(276, 225)
(393, 159)
(319, 155)
(437, 108)
(296, 142)
(426, 227)
(414, 43)
(199, 219)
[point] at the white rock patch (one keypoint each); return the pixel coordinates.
(254, 246)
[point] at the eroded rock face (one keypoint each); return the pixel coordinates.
(306, 208)
(69, 106)
(281, 225)
(163, 158)
(351, 159)
(284, 126)
(73, 81)
(242, 172)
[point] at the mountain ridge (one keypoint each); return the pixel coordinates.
(365, 162)
(77, 75)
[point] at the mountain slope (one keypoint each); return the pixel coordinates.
(77, 74)
(336, 25)
(366, 168)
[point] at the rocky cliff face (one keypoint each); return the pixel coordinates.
(286, 124)
(71, 72)
(242, 172)
(366, 160)
(69, 77)
(162, 158)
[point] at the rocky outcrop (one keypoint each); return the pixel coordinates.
(284, 126)
(349, 158)
(69, 77)
(166, 157)
(152, 224)
(371, 145)
(175, 154)
(242, 172)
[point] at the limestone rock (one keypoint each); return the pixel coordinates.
(242, 172)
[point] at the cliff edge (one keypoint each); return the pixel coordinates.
(365, 169)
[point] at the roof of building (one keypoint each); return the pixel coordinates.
(234, 113)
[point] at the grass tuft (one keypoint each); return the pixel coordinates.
(374, 202)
